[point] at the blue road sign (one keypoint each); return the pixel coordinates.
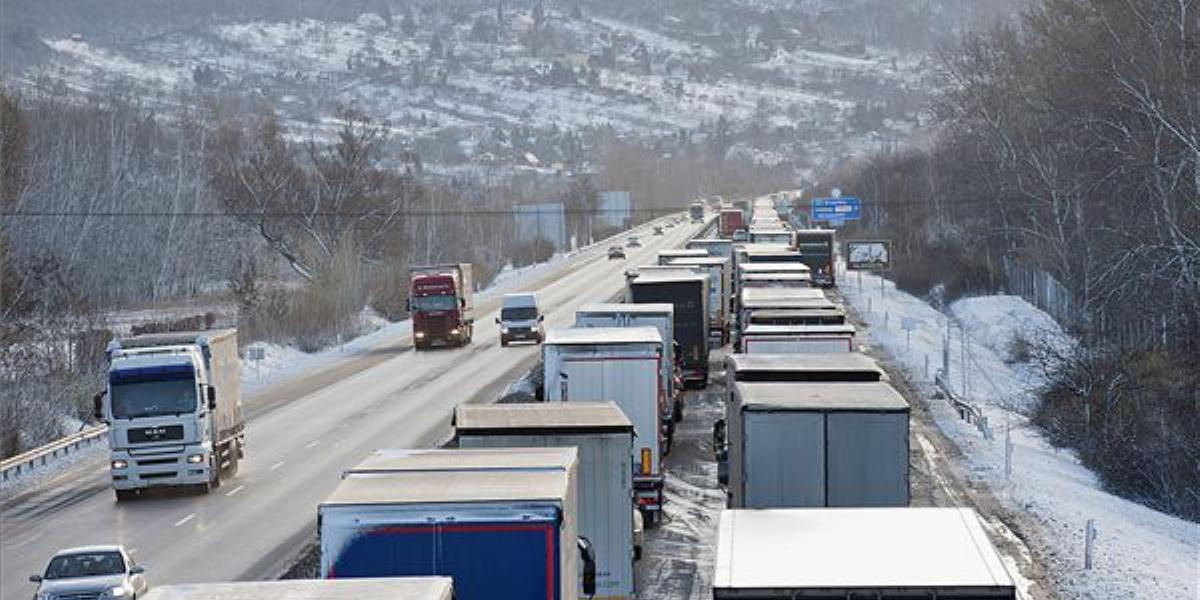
(836, 209)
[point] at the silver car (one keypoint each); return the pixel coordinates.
(91, 572)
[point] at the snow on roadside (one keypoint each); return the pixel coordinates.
(1140, 552)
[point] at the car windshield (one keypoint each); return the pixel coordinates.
(85, 564)
(133, 399)
(519, 313)
(432, 303)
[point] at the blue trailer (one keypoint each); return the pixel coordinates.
(501, 522)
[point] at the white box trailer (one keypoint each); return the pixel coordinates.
(383, 588)
(621, 365)
(501, 522)
(763, 298)
(718, 272)
(666, 256)
(797, 339)
(714, 247)
(659, 316)
(796, 316)
(817, 445)
(888, 553)
(604, 437)
(776, 280)
(796, 368)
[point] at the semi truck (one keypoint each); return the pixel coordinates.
(798, 554)
(729, 221)
(621, 365)
(797, 339)
(666, 257)
(658, 316)
(718, 271)
(689, 295)
(604, 438)
(500, 522)
(696, 212)
(384, 588)
(816, 248)
(442, 304)
(817, 445)
(173, 405)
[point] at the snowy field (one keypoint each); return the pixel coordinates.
(1139, 552)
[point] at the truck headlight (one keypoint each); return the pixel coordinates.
(454, 331)
(195, 459)
(420, 334)
(119, 464)
(503, 329)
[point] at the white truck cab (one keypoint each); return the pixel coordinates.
(520, 319)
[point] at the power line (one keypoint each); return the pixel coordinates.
(308, 215)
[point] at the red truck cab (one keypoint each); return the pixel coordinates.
(731, 220)
(440, 302)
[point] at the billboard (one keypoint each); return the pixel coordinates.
(868, 255)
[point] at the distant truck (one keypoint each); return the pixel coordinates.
(696, 212)
(500, 522)
(604, 437)
(383, 588)
(729, 221)
(886, 553)
(689, 295)
(816, 248)
(718, 271)
(441, 301)
(621, 365)
(816, 445)
(174, 409)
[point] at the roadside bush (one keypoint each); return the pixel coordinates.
(1020, 349)
(1133, 419)
(528, 253)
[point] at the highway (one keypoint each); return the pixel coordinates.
(298, 442)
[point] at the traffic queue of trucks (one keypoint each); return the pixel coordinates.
(546, 500)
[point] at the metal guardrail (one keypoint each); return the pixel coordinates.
(11, 467)
(967, 411)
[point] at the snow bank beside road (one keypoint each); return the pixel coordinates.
(1140, 553)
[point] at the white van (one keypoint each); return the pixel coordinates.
(520, 319)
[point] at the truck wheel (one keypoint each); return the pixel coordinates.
(234, 453)
(126, 495)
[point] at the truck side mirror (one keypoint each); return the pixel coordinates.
(408, 304)
(462, 302)
(98, 405)
(588, 554)
(211, 393)
(541, 318)
(497, 320)
(137, 570)
(35, 578)
(718, 435)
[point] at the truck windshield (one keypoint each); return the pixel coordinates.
(518, 313)
(432, 303)
(141, 397)
(88, 564)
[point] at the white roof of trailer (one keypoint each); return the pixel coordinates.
(819, 361)
(857, 396)
(761, 294)
(786, 267)
(762, 329)
(703, 261)
(598, 416)
(793, 276)
(712, 241)
(451, 486)
(383, 588)
(618, 308)
(683, 252)
(578, 336)
(668, 275)
(464, 459)
(903, 547)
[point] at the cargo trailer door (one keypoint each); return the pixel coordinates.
(632, 382)
(784, 459)
(868, 459)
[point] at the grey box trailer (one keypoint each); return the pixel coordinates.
(796, 316)
(718, 271)
(689, 295)
(621, 365)
(666, 256)
(383, 588)
(794, 368)
(500, 521)
(880, 553)
(659, 316)
(764, 298)
(817, 445)
(714, 247)
(604, 437)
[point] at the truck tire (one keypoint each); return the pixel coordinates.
(126, 495)
(231, 468)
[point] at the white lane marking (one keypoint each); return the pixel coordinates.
(312, 443)
(185, 519)
(33, 538)
(234, 490)
(275, 466)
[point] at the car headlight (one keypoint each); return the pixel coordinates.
(117, 592)
(195, 459)
(119, 464)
